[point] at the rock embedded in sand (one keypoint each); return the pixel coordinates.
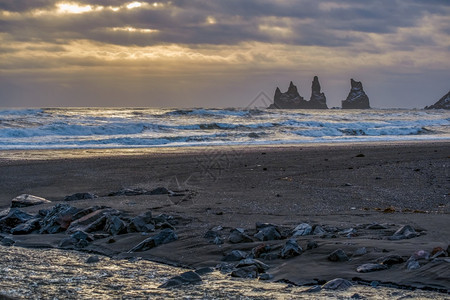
(25, 200)
(302, 229)
(262, 267)
(246, 272)
(80, 196)
(390, 260)
(115, 225)
(238, 235)
(164, 237)
(92, 259)
(27, 227)
(268, 233)
(189, 277)
(405, 232)
(338, 256)
(14, 218)
(6, 241)
(337, 284)
(58, 219)
(366, 268)
(142, 223)
(94, 221)
(290, 249)
(235, 255)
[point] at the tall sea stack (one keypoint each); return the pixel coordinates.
(443, 103)
(357, 98)
(318, 99)
(292, 99)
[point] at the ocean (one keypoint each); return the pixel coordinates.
(90, 128)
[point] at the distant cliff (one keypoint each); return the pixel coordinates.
(443, 103)
(357, 98)
(292, 99)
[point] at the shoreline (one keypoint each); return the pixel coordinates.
(336, 187)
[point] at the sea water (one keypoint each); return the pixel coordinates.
(77, 128)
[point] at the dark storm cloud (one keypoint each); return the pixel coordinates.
(236, 21)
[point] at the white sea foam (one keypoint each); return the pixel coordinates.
(141, 127)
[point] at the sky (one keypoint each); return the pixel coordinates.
(221, 53)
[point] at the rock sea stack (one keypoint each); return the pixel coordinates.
(292, 99)
(443, 103)
(357, 98)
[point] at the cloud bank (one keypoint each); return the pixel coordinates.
(220, 53)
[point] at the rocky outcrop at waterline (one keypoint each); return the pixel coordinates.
(291, 99)
(357, 98)
(443, 103)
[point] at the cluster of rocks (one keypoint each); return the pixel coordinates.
(443, 103)
(356, 99)
(85, 225)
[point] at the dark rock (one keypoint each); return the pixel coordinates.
(439, 254)
(311, 245)
(163, 218)
(338, 256)
(246, 272)
(129, 192)
(217, 241)
(203, 271)
(164, 237)
(262, 267)
(92, 259)
(412, 264)
(265, 276)
(357, 98)
(337, 284)
(94, 221)
(376, 226)
(268, 233)
(79, 239)
(80, 196)
(6, 241)
(405, 232)
(302, 229)
(443, 103)
(290, 249)
(318, 230)
(238, 235)
(141, 223)
(158, 191)
(235, 255)
(390, 260)
(165, 225)
(259, 250)
(360, 251)
(420, 254)
(211, 235)
(58, 219)
(27, 227)
(14, 217)
(318, 99)
(269, 256)
(313, 289)
(225, 267)
(366, 268)
(25, 200)
(114, 225)
(189, 277)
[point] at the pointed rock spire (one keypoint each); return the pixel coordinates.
(443, 103)
(357, 98)
(318, 99)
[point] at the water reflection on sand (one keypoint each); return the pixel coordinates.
(51, 273)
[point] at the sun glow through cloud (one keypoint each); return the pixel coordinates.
(73, 8)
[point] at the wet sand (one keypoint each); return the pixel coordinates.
(341, 186)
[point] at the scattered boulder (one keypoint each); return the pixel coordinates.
(80, 196)
(189, 277)
(142, 223)
(265, 276)
(158, 191)
(357, 98)
(246, 272)
(290, 249)
(259, 250)
(164, 237)
(203, 271)
(311, 245)
(390, 260)
(338, 256)
(114, 225)
(238, 235)
(268, 233)
(14, 217)
(79, 239)
(375, 226)
(360, 251)
(235, 255)
(405, 232)
(302, 229)
(366, 268)
(337, 284)
(443, 103)
(318, 230)
(25, 200)
(94, 221)
(412, 264)
(128, 192)
(27, 227)
(262, 267)
(58, 219)
(92, 259)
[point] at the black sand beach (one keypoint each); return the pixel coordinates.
(359, 194)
